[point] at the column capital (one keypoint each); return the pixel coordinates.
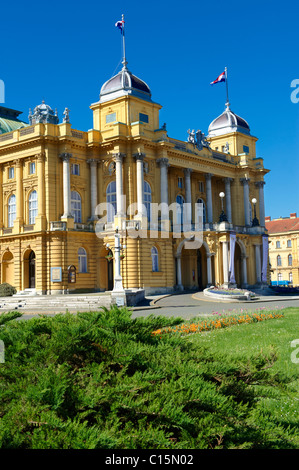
(118, 157)
(139, 156)
(65, 157)
(188, 171)
(244, 180)
(163, 162)
(228, 180)
(92, 161)
(260, 184)
(208, 176)
(19, 162)
(40, 156)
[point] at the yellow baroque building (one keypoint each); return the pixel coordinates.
(284, 249)
(57, 237)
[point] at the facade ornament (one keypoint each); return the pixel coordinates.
(44, 114)
(111, 168)
(226, 148)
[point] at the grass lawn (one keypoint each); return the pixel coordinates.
(280, 403)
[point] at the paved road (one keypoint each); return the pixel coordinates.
(188, 305)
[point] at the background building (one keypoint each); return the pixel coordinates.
(284, 249)
(54, 177)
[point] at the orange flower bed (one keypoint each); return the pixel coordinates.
(208, 325)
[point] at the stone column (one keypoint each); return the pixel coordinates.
(120, 209)
(179, 272)
(225, 262)
(188, 214)
(208, 177)
(65, 157)
(244, 271)
(245, 182)
(209, 269)
(41, 202)
(140, 183)
(228, 199)
(258, 265)
(260, 185)
(93, 163)
(19, 195)
(163, 163)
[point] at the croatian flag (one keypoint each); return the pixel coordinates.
(219, 79)
(120, 25)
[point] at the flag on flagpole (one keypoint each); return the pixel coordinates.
(120, 25)
(219, 79)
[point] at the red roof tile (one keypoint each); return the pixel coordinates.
(283, 225)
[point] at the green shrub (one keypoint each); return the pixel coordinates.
(7, 290)
(102, 380)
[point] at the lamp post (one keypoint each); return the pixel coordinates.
(222, 217)
(255, 221)
(118, 295)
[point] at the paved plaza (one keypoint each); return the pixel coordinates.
(186, 305)
(189, 305)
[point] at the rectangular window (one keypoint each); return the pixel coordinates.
(245, 149)
(110, 118)
(277, 244)
(289, 243)
(11, 172)
(180, 183)
(32, 168)
(201, 186)
(143, 117)
(75, 169)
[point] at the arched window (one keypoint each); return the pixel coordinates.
(147, 194)
(111, 201)
(180, 213)
(12, 210)
(155, 259)
(76, 206)
(201, 201)
(32, 207)
(290, 260)
(82, 260)
(278, 260)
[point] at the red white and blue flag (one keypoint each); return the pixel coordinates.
(120, 25)
(219, 79)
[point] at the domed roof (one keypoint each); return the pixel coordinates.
(43, 113)
(124, 83)
(9, 120)
(228, 122)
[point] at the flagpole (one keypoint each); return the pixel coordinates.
(226, 82)
(124, 42)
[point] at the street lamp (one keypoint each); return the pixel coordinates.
(255, 221)
(222, 217)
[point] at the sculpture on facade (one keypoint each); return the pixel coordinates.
(66, 114)
(198, 139)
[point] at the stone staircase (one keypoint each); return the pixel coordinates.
(28, 302)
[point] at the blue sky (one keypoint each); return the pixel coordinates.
(64, 51)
